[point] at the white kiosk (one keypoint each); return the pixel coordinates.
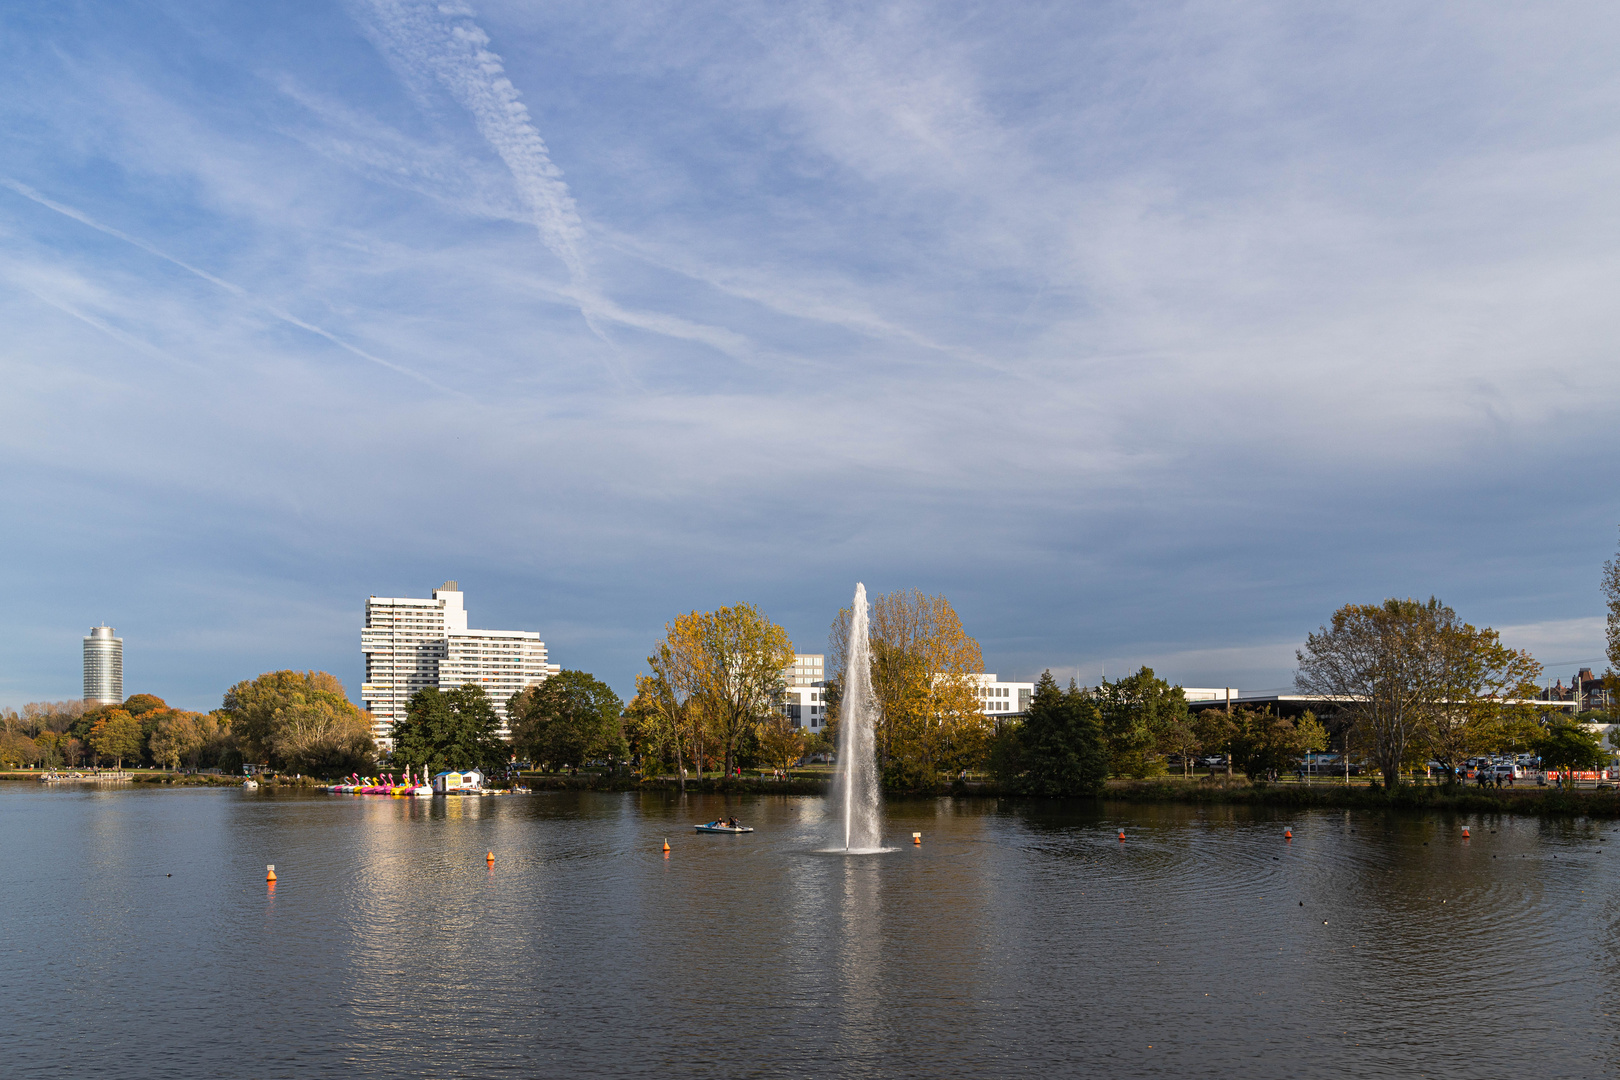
(469, 782)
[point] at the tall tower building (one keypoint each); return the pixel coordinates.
(103, 666)
(412, 644)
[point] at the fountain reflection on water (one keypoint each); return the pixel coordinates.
(856, 791)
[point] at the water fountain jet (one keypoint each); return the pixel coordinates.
(856, 789)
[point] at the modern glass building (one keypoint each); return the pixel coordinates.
(103, 666)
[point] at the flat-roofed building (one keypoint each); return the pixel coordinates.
(1222, 694)
(1003, 698)
(805, 693)
(501, 661)
(411, 644)
(806, 690)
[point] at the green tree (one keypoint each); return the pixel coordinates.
(1570, 745)
(117, 735)
(1481, 698)
(648, 733)
(1215, 729)
(300, 720)
(141, 704)
(79, 727)
(450, 729)
(1265, 743)
(18, 750)
(667, 717)
(50, 748)
(1179, 736)
(1137, 712)
(569, 719)
(1057, 749)
(148, 709)
(1378, 664)
(1410, 678)
(181, 737)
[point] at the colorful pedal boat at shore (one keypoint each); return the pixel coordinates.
(386, 784)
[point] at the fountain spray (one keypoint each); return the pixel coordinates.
(857, 783)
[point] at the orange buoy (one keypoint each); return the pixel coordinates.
(270, 872)
(1465, 832)
(1122, 834)
(1288, 834)
(490, 858)
(916, 838)
(666, 845)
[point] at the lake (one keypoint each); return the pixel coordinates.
(1019, 939)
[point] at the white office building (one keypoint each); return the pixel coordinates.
(103, 667)
(411, 644)
(806, 691)
(1223, 694)
(1003, 698)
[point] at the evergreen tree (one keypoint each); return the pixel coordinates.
(1058, 748)
(1140, 714)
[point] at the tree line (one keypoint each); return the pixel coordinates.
(294, 720)
(1399, 684)
(141, 730)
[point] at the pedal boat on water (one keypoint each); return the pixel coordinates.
(722, 827)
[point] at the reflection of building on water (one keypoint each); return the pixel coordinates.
(415, 889)
(412, 644)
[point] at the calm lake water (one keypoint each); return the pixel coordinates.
(1019, 939)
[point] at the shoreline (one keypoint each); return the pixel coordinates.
(1527, 801)
(1524, 801)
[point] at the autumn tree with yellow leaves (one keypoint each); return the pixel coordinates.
(715, 677)
(924, 678)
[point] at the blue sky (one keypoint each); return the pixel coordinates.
(1145, 333)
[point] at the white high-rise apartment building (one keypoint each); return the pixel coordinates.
(103, 666)
(412, 644)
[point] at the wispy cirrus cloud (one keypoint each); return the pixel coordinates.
(1150, 334)
(235, 290)
(442, 40)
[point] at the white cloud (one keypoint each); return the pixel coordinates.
(1092, 311)
(1560, 643)
(442, 39)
